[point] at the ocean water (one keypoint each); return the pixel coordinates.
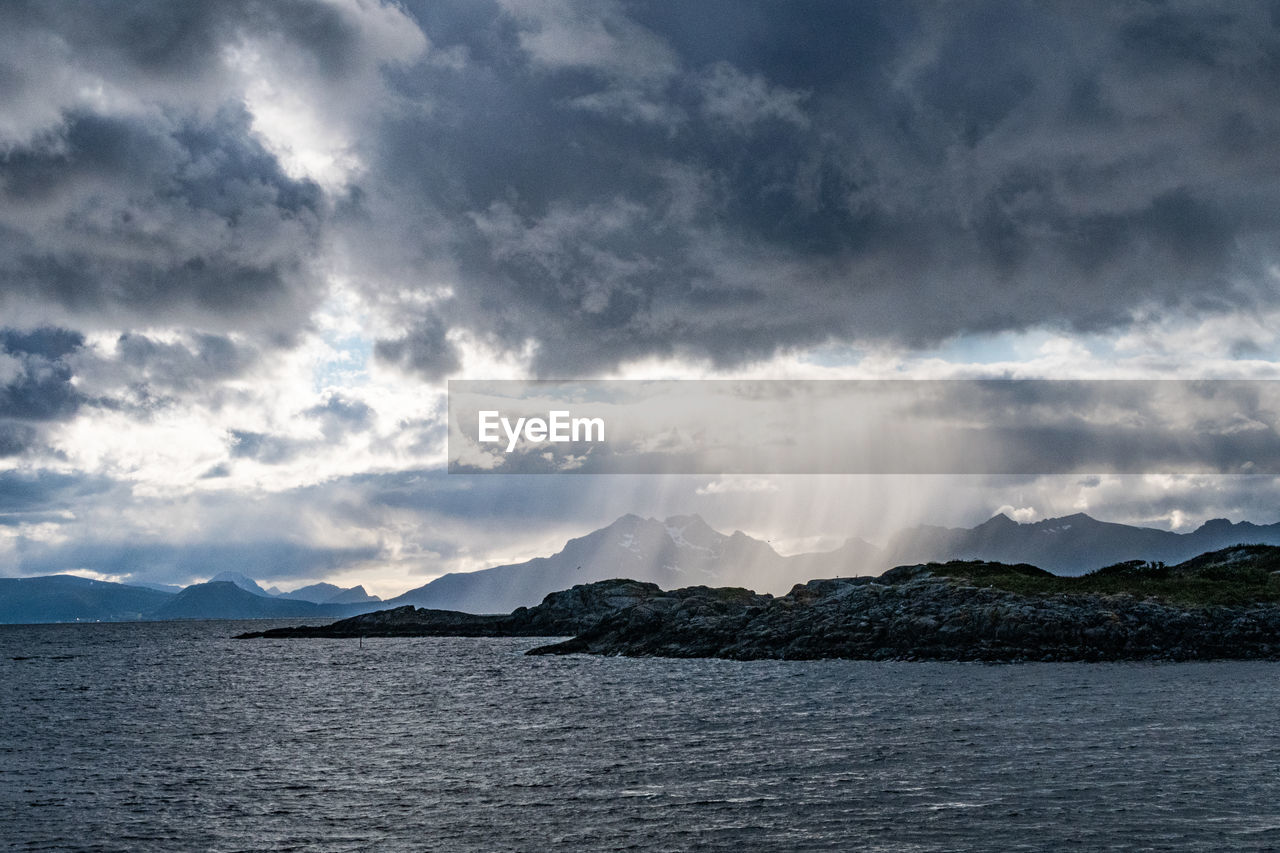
(172, 736)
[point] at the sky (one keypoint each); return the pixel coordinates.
(243, 245)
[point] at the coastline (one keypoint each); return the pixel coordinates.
(1223, 605)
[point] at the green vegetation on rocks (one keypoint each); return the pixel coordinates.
(1243, 574)
(1223, 604)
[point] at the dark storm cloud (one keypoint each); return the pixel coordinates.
(604, 181)
(424, 349)
(339, 416)
(138, 219)
(48, 343)
(23, 493)
(16, 438)
(158, 43)
(36, 387)
(135, 190)
(164, 563)
(619, 180)
(46, 370)
(182, 365)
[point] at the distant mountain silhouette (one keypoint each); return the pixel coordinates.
(854, 557)
(680, 551)
(1070, 545)
(245, 582)
(352, 595)
(316, 593)
(67, 598)
(226, 600)
(685, 551)
(327, 593)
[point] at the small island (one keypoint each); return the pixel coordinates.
(1220, 605)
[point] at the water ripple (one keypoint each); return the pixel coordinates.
(172, 736)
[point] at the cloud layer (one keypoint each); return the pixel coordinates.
(242, 244)
(609, 182)
(726, 182)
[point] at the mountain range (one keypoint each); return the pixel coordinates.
(685, 551)
(1071, 545)
(226, 600)
(316, 593)
(680, 551)
(228, 595)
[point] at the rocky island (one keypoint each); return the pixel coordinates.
(1223, 604)
(568, 612)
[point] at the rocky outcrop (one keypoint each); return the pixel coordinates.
(1220, 605)
(930, 618)
(951, 612)
(564, 613)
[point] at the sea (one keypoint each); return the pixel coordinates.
(174, 736)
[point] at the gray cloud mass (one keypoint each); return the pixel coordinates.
(227, 224)
(618, 180)
(38, 388)
(160, 220)
(740, 180)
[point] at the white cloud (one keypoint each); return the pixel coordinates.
(1022, 515)
(311, 123)
(743, 100)
(736, 485)
(594, 35)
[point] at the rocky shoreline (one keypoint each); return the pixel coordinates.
(560, 614)
(951, 611)
(931, 618)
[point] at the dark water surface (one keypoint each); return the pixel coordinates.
(172, 736)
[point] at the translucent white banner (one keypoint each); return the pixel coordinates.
(864, 427)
